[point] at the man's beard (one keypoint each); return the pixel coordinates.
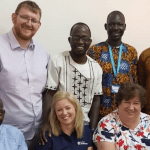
(21, 36)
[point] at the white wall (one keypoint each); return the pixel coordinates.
(58, 16)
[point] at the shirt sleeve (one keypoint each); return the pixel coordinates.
(98, 87)
(104, 131)
(134, 66)
(22, 143)
(141, 72)
(53, 76)
(90, 52)
(88, 135)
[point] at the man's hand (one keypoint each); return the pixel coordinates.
(47, 99)
(42, 137)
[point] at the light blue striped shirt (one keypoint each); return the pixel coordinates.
(11, 138)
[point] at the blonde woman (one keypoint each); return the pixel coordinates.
(66, 119)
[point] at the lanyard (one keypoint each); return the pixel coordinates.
(112, 59)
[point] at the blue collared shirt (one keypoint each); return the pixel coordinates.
(11, 138)
(65, 142)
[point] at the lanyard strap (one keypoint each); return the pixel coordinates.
(112, 59)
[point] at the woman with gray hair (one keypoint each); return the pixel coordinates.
(66, 120)
(126, 128)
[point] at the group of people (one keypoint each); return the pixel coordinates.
(57, 102)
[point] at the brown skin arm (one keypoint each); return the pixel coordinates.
(105, 146)
(94, 111)
(45, 126)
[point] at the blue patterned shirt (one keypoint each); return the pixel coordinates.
(127, 71)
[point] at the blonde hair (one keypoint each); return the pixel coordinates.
(54, 122)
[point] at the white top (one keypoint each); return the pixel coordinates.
(110, 129)
(83, 80)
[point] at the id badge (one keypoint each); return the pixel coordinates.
(115, 88)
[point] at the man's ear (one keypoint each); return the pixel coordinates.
(90, 41)
(125, 27)
(39, 25)
(13, 17)
(105, 26)
(4, 114)
(69, 38)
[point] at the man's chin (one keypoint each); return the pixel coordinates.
(116, 38)
(79, 54)
(25, 37)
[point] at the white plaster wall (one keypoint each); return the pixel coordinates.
(58, 16)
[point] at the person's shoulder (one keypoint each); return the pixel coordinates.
(99, 44)
(145, 54)
(60, 56)
(146, 51)
(40, 48)
(129, 47)
(91, 59)
(47, 145)
(87, 135)
(3, 36)
(111, 117)
(95, 63)
(10, 130)
(3, 39)
(145, 117)
(87, 128)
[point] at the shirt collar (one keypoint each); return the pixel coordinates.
(113, 46)
(14, 43)
(72, 134)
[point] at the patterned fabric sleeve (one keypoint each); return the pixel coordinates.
(90, 52)
(104, 131)
(53, 76)
(134, 67)
(141, 72)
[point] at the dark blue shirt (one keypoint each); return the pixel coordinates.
(65, 142)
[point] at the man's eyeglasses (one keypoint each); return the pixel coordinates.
(77, 38)
(26, 19)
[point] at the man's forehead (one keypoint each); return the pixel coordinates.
(28, 9)
(80, 28)
(115, 15)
